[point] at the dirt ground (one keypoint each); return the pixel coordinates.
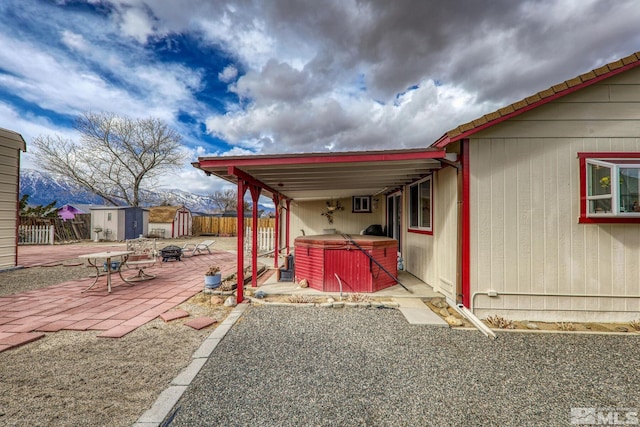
(74, 378)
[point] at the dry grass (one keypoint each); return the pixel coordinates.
(301, 299)
(635, 324)
(566, 326)
(500, 322)
(358, 298)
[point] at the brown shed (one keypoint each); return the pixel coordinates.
(170, 221)
(11, 144)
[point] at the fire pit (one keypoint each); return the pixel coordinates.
(171, 252)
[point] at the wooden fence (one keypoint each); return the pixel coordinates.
(69, 230)
(227, 226)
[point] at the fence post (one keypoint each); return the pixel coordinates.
(52, 233)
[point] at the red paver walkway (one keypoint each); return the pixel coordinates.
(23, 316)
(35, 255)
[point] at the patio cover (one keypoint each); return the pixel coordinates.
(313, 176)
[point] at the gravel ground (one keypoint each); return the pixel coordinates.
(289, 366)
(76, 379)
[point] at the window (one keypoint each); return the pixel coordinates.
(420, 206)
(609, 187)
(361, 204)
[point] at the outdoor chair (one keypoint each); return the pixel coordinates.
(190, 249)
(144, 256)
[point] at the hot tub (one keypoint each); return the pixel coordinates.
(319, 258)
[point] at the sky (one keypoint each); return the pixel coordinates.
(281, 76)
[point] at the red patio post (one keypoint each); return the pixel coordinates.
(276, 255)
(242, 188)
(255, 195)
(288, 222)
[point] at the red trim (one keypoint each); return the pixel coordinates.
(604, 155)
(276, 234)
(232, 170)
(583, 189)
(582, 158)
(242, 188)
(616, 220)
(314, 158)
(466, 226)
(288, 222)
(446, 140)
(413, 230)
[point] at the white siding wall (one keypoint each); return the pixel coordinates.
(445, 231)
(9, 169)
(166, 226)
(525, 194)
(306, 215)
(99, 218)
(433, 258)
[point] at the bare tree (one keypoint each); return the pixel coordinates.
(116, 156)
(227, 200)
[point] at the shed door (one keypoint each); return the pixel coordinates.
(133, 223)
(183, 223)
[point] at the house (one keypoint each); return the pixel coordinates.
(11, 144)
(530, 212)
(69, 212)
(170, 221)
(119, 222)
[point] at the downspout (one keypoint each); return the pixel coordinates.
(465, 228)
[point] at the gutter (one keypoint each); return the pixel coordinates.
(479, 324)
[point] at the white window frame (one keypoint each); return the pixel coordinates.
(410, 214)
(361, 204)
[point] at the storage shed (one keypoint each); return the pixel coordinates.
(119, 222)
(11, 144)
(170, 221)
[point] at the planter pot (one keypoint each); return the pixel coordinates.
(115, 265)
(212, 282)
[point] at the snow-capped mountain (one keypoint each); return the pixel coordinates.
(43, 189)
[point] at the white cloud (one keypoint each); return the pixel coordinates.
(229, 73)
(137, 24)
(75, 41)
(344, 122)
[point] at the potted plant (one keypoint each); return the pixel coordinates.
(213, 277)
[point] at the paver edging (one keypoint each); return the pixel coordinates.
(165, 402)
(335, 304)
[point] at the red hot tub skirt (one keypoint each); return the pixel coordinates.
(319, 258)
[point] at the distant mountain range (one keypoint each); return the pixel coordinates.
(44, 189)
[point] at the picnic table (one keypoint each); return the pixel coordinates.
(93, 258)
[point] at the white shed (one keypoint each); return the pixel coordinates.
(11, 144)
(119, 222)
